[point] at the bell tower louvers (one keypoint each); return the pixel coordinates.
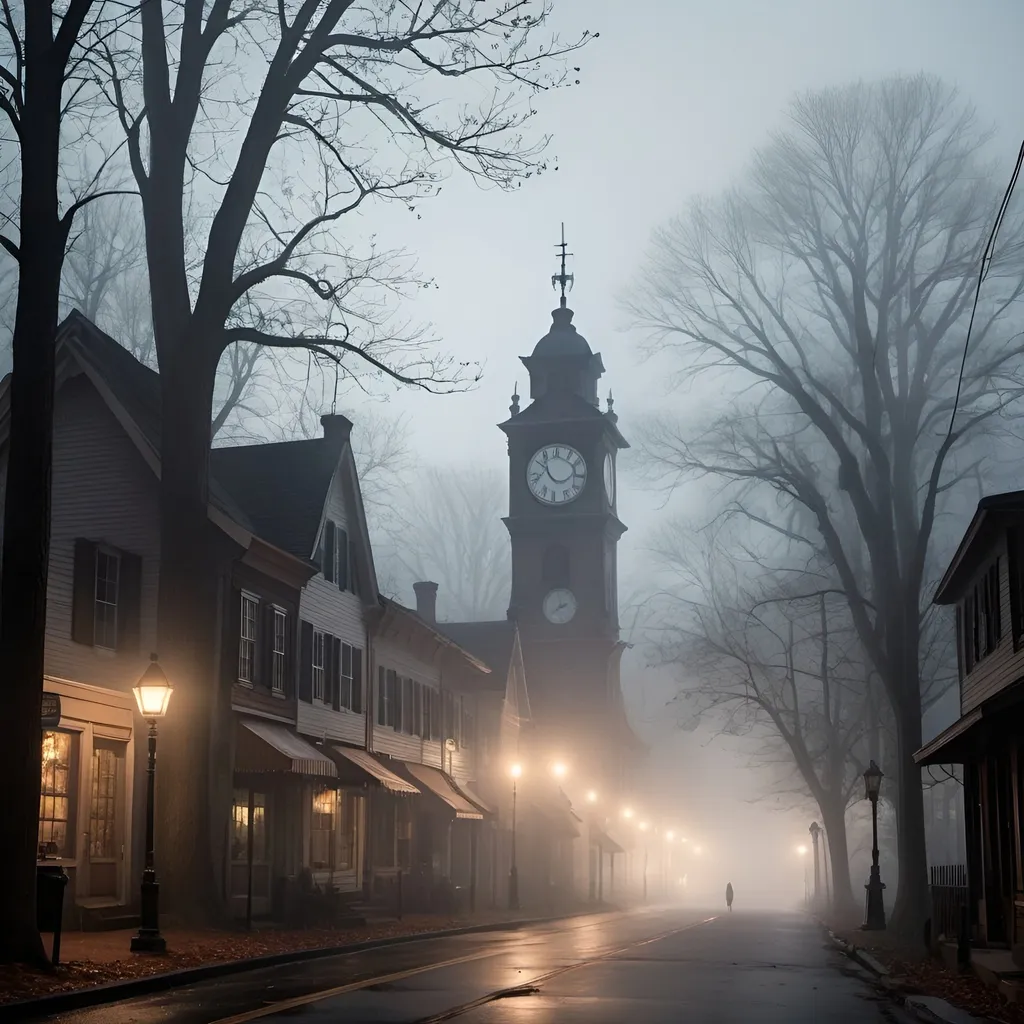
(564, 526)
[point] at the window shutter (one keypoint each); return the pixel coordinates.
(337, 674)
(330, 672)
(343, 554)
(306, 662)
(129, 603)
(234, 636)
(328, 561)
(353, 573)
(83, 600)
(381, 690)
(357, 680)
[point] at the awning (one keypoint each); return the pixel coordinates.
(438, 783)
(472, 796)
(952, 744)
(369, 764)
(605, 842)
(269, 747)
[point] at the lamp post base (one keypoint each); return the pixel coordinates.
(149, 939)
(874, 904)
(513, 889)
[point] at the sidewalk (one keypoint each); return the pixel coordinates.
(89, 959)
(913, 972)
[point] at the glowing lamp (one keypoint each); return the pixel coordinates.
(153, 691)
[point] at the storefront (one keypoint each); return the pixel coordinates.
(89, 780)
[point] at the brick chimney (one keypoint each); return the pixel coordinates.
(337, 429)
(426, 601)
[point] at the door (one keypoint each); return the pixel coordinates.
(106, 835)
(249, 832)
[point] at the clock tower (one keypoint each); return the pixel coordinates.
(564, 531)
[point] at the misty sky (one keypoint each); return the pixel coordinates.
(674, 96)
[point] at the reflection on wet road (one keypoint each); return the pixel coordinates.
(643, 968)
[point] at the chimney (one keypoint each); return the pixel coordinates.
(337, 429)
(426, 601)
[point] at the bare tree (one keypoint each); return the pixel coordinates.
(106, 278)
(763, 643)
(43, 92)
(453, 534)
(837, 288)
(352, 103)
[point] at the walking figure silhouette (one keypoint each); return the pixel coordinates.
(728, 896)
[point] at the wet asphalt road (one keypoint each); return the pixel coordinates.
(648, 967)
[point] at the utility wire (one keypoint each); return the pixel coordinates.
(986, 265)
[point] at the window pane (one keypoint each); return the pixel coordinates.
(55, 795)
(325, 804)
(105, 619)
(247, 639)
(103, 804)
(318, 665)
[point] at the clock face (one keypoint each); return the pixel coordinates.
(560, 606)
(609, 479)
(556, 474)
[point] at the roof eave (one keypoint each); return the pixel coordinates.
(399, 611)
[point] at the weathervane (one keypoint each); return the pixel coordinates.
(562, 280)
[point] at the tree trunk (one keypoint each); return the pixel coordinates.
(911, 909)
(187, 609)
(26, 548)
(834, 816)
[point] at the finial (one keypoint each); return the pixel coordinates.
(611, 413)
(514, 407)
(562, 280)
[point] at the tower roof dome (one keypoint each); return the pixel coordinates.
(563, 339)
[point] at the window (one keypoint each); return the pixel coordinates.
(389, 696)
(350, 824)
(321, 828)
(395, 693)
(345, 677)
(980, 623)
(328, 562)
(426, 717)
(318, 665)
(240, 827)
(250, 611)
(343, 560)
(555, 565)
(280, 621)
(435, 715)
(106, 773)
(408, 707)
(105, 621)
(56, 832)
(417, 709)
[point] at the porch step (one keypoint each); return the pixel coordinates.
(106, 919)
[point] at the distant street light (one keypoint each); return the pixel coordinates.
(874, 909)
(559, 770)
(627, 812)
(670, 835)
(513, 872)
(152, 694)
(802, 851)
(591, 796)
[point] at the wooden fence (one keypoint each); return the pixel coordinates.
(949, 898)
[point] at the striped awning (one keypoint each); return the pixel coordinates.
(442, 787)
(472, 796)
(270, 747)
(369, 764)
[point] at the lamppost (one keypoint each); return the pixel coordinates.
(815, 830)
(874, 908)
(152, 694)
(513, 872)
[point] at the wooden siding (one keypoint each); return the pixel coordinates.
(340, 613)
(103, 491)
(1003, 666)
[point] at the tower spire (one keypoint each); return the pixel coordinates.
(562, 281)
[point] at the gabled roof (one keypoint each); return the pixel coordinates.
(491, 642)
(993, 511)
(281, 487)
(438, 631)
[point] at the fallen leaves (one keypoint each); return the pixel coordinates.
(193, 949)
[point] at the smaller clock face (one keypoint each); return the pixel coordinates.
(556, 474)
(609, 479)
(560, 606)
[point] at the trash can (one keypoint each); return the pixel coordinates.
(51, 881)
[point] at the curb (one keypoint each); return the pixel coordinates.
(927, 1009)
(115, 991)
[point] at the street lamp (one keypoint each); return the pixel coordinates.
(513, 872)
(559, 770)
(591, 796)
(152, 694)
(815, 829)
(874, 906)
(627, 813)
